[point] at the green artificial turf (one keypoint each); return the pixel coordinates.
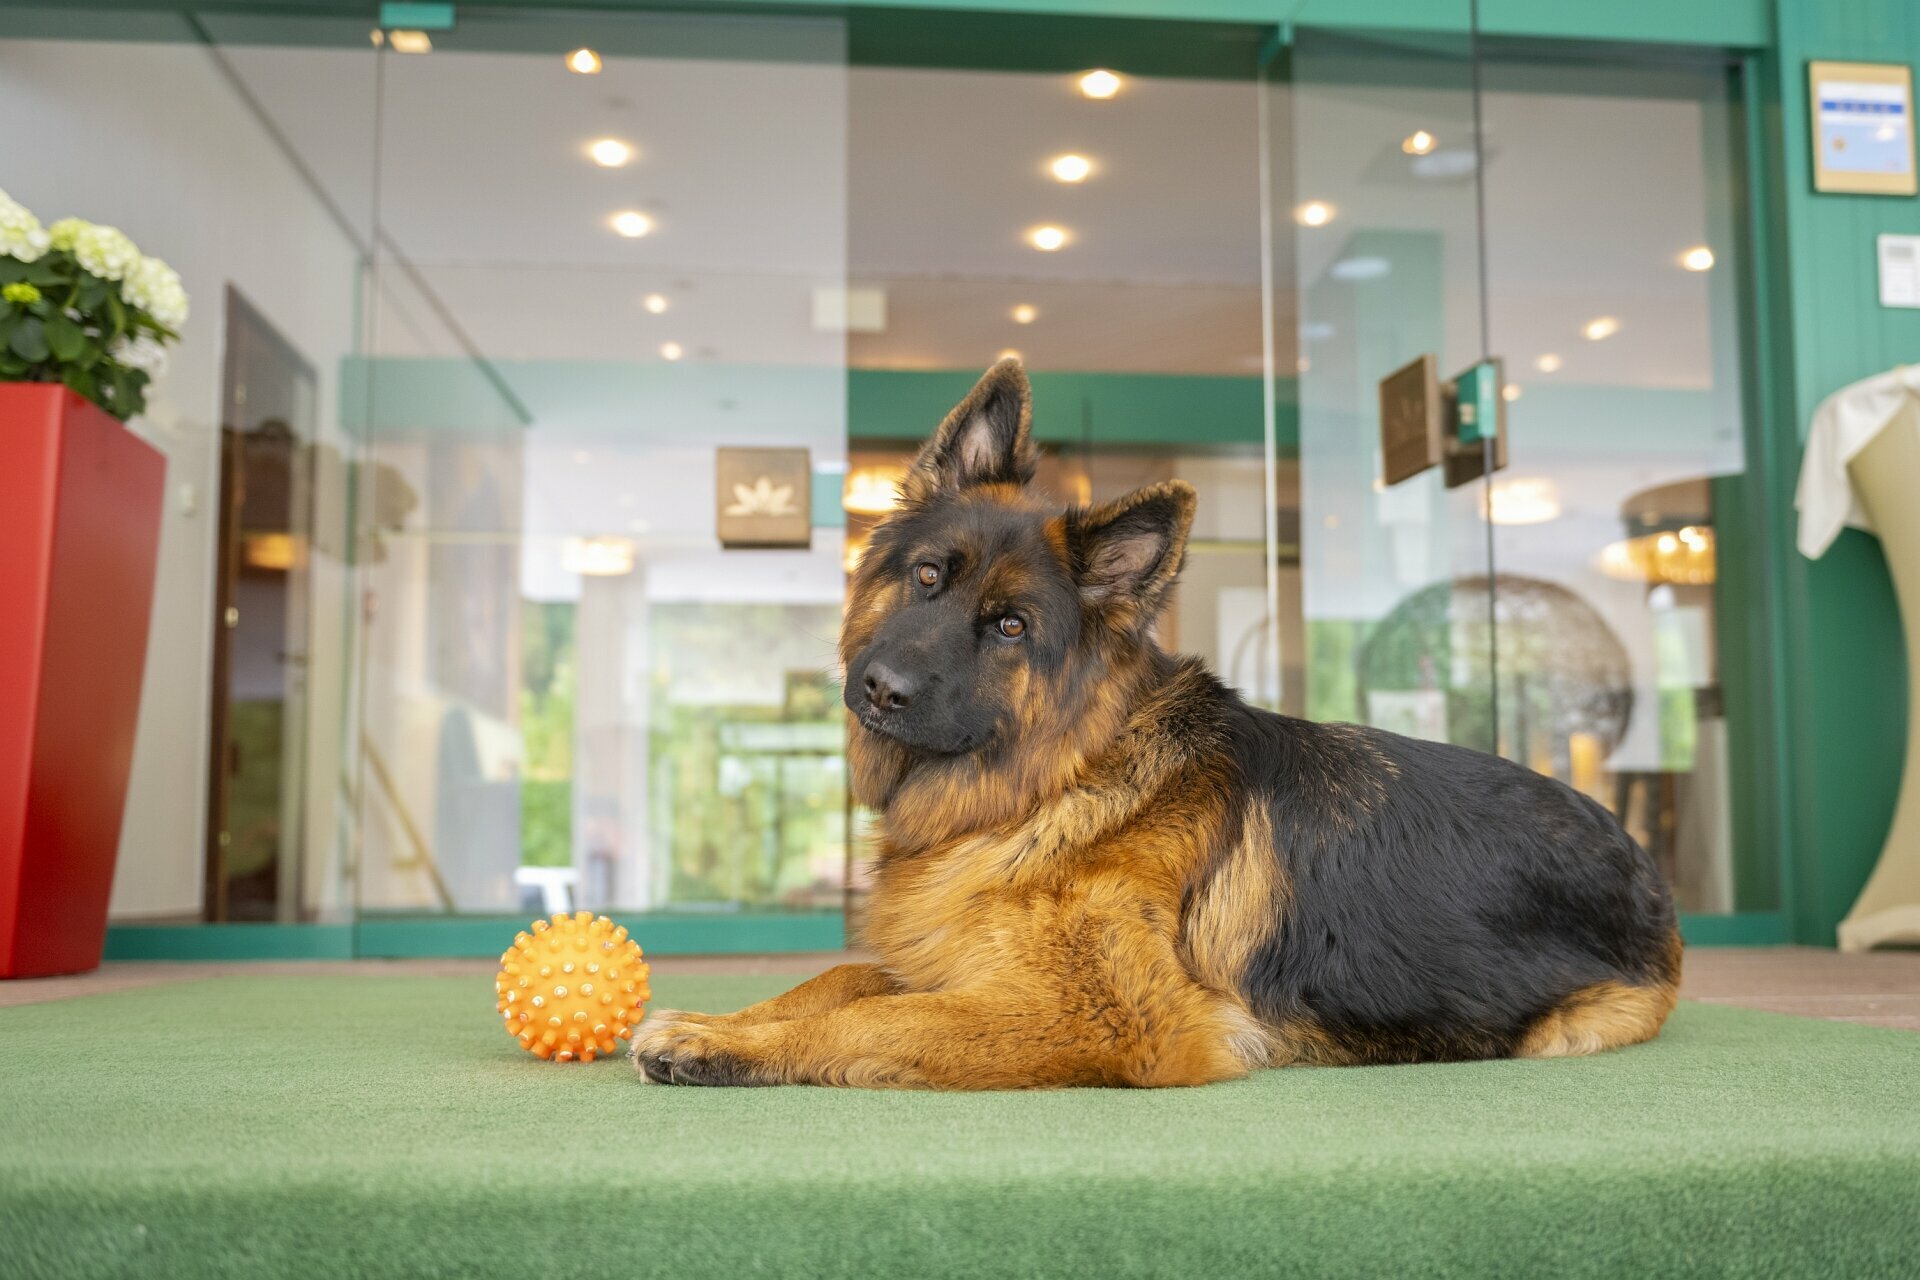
(385, 1126)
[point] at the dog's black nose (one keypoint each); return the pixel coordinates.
(887, 689)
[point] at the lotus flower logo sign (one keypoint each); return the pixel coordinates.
(762, 497)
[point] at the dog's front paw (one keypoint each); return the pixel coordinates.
(668, 1050)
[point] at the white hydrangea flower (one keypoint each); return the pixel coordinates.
(21, 235)
(66, 231)
(140, 353)
(105, 251)
(154, 287)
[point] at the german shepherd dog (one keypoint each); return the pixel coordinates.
(1098, 866)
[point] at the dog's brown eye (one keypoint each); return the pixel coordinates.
(928, 574)
(1012, 628)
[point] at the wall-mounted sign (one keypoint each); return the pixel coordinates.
(1477, 442)
(1862, 116)
(1899, 271)
(763, 497)
(1461, 423)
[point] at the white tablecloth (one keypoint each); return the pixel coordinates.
(1843, 425)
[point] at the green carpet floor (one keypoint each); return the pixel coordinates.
(381, 1126)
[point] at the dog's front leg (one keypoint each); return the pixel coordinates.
(986, 1039)
(840, 985)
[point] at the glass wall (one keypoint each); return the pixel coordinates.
(548, 372)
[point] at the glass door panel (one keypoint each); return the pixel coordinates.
(1627, 589)
(1376, 233)
(606, 408)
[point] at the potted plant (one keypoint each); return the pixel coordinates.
(84, 323)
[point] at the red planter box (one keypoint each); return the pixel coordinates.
(80, 503)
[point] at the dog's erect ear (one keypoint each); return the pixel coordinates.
(987, 439)
(1127, 552)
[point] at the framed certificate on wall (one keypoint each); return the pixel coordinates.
(1862, 118)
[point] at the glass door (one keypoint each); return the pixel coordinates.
(1571, 578)
(605, 416)
(1374, 163)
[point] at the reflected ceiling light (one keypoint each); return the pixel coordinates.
(656, 303)
(873, 490)
(1100, 85)
(1698, 258)
(1600, 328)
(1025, 313)
(631, 223)
(1316, 331)
(1047, 238)
(671, 351)
(1510, 392)
(270, 551)
(378, 37)
(855, 547)
(1362, 268)
(410, 42)
(1522, 500)
(1443, 166)
(581, 457)
(602, 556)
(609, 153)
(1548, 363)
(584, 62)
(1008, 353)
(1417, 143)
(1685, 556)
(1314, 213)
(1070, 167)
(1303, 365)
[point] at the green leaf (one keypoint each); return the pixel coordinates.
(29, 340)
(117, 313)
(82, 381)
(64, 338)
(12, 270)
(45, 270)
(93, 292)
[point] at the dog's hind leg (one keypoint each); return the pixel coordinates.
(1596, 1018)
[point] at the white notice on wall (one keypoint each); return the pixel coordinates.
(1900, 271)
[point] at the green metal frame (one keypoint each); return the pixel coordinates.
(663, 934)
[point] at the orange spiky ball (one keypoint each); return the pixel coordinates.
(572, 987)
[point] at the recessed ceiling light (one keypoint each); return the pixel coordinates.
(1070, 168)
(1601, 328)
(410, 42)
(1698, 258)
(610, 153)
(1522, 500)
(378, 37)
(1510, 392)
(1100, 84)
(584, 62)
(655, 303)
(1548, 363)
(1303, 365)
(1314, 213)
(1025, 313)
(1008, 353)
(1417, 143)
(632, 223)
(671, 351)
(1047, 238)
(603, 556)
(1360, 268)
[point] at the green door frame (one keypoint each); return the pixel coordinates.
(1224, 37)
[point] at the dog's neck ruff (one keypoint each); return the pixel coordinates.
(1081, 791)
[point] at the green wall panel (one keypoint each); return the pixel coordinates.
(1844, 660)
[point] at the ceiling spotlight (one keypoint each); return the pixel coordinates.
(410, 42)
(1025, 313)
(1314, 213)
(1417, 143)
(1548, 363)
(1510, 392)
(1048, 238)
(584, 62)
(656, 303)
(610, 153)
(1100, 84)
(1521, 500)
(1601, 328)
(1071, 168)
(1698, 258)
(671, 351)
(1008, 353)
(631, 223)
